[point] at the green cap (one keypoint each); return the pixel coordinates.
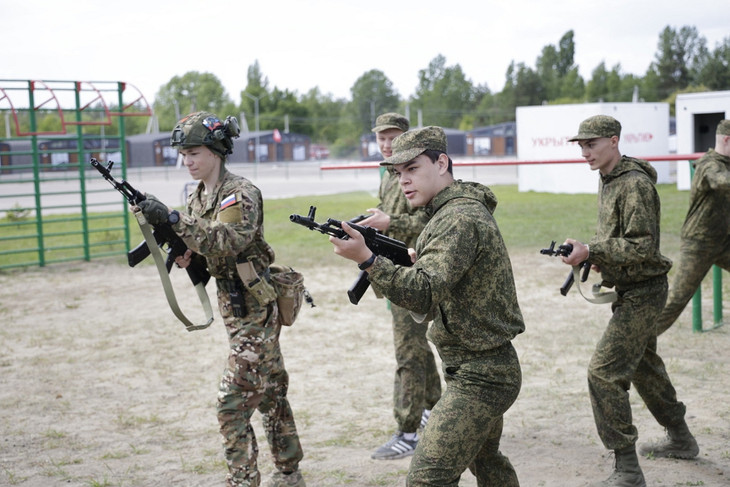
(596, 127)
(409, 145)
(205, 128)
(391, 121)
(723, 128)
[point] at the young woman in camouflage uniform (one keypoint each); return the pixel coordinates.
(224, 224)
(417, 385)
(462, 278)
(625, 249)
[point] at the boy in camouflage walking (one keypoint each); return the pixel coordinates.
(417, 385)
(706, 230)
(224, 224)
(462, 279)
(625, 249)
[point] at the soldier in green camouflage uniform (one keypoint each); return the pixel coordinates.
(625, 249)
(224, 224)
(417, 385)
(462, 279)
(706, 230)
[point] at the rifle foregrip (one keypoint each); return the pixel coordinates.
(358, 288)
(586, 270)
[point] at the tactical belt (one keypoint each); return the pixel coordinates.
(167, 285)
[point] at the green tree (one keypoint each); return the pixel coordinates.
(372, 94)
(677, 63)
(191, 92)
(610, 86)
(324, 114)
(715, 74)
(256, 91)
(284, 107)
(522, 87)
(444, 94)
(557, 71)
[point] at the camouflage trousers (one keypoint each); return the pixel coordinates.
(417, 385)
(465, 426)
(626, 354)
(695, 259)
(255, 379)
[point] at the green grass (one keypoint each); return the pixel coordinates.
(527, 221)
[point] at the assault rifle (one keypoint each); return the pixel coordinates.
(565, 250)
(163, 233)
(379, 244)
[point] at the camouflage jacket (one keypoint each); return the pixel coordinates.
(462, 277)
(226, 223)
(626, 244)
(708, 218)
(406, 223)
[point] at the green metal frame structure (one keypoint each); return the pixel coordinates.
(34, 231)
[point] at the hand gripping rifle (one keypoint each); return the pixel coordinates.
(165, 238)
(585, 266)
(379, 244)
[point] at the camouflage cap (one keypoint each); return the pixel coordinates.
(391, 121)
(596, 127)
(410, 145)
(723, 128)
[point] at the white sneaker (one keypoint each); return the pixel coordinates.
(424, 417)
(396, 447)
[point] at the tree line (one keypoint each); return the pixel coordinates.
(444, 95)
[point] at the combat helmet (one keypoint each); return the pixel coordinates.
(205, 128)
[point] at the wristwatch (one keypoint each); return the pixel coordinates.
(173, 217)
(364, 265)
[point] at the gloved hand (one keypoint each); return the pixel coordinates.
(153, 210)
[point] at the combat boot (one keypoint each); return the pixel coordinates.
(626, 472)
(293, 479)
(679, 443)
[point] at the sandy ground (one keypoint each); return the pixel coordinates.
(101, 386)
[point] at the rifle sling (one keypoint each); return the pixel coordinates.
(167, 285)
(599, 297)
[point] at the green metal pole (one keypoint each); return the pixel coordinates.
(36, 175)
(123, 152)
(697, 298)
(82, 169)
(697, 310)
(717, 294)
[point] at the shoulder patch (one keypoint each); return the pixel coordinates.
(229, 201)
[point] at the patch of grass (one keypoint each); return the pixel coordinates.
(99, 483)
(202, 467)
(527, 220)
(129, 421)
(13, 478)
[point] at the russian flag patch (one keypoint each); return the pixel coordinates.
(230, 201)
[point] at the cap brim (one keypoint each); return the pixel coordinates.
(380, 128)
(585, 137)
(403, 157)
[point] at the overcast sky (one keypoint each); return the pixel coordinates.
(302, 44)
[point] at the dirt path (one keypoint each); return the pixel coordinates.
(101, 386)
